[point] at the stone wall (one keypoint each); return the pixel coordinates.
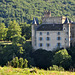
(53, 20)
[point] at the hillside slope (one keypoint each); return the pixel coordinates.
(25, 10)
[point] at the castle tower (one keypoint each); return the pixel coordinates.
(34, 24)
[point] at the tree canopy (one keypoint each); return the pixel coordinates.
(62, 58)
(24, 10)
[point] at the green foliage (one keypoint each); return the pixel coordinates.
(56, 68)
(23, 10)
(71, 51)
(18, 39)
(18, 63)
(31, 71)
(21, 62)
(62, 58)
(8, 52)
(25, 63)
(26, 30)
(3, 31)
(13, 29)
(42, 58)
(15, 62)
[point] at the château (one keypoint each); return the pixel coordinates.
(53, 33)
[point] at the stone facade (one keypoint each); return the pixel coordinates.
(54, 32)
(72, 31)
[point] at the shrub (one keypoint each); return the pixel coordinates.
(56, 68)
(18, 63)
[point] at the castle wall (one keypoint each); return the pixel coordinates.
(72, 27)
(53, 20)
(53, 39)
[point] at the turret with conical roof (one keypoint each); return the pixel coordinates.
(34, 25)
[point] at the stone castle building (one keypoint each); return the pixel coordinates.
(53, 33)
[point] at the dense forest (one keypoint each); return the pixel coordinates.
(15, 33)
(24, 10)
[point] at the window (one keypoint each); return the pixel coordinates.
(40, 45)
(58, 33)
(66, 39)
(58, 44)
(47, 44)
(47, 33)
(64, 28)
(40, 33)
(47, 38)
(58, 38)
(40, 38)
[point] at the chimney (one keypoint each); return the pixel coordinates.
(47, 14)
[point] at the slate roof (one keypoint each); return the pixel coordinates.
(50, 27)
(35, 21)
(66, 21)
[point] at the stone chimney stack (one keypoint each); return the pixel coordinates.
(47, 14)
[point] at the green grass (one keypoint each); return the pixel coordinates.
(26, 71)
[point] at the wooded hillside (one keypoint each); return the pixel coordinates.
(24, 10)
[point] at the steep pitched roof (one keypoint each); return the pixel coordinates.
(50, 27)
(66, 21)
(34, 21)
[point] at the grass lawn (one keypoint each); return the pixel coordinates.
(26, 71)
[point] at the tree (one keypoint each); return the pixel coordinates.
(72, 53)
(18, 39)
(26, 30)
(3, 31)
(21, 62)
(15, 62)
(42, 58)
(13, 29)
(62, 58)
(25, 63)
